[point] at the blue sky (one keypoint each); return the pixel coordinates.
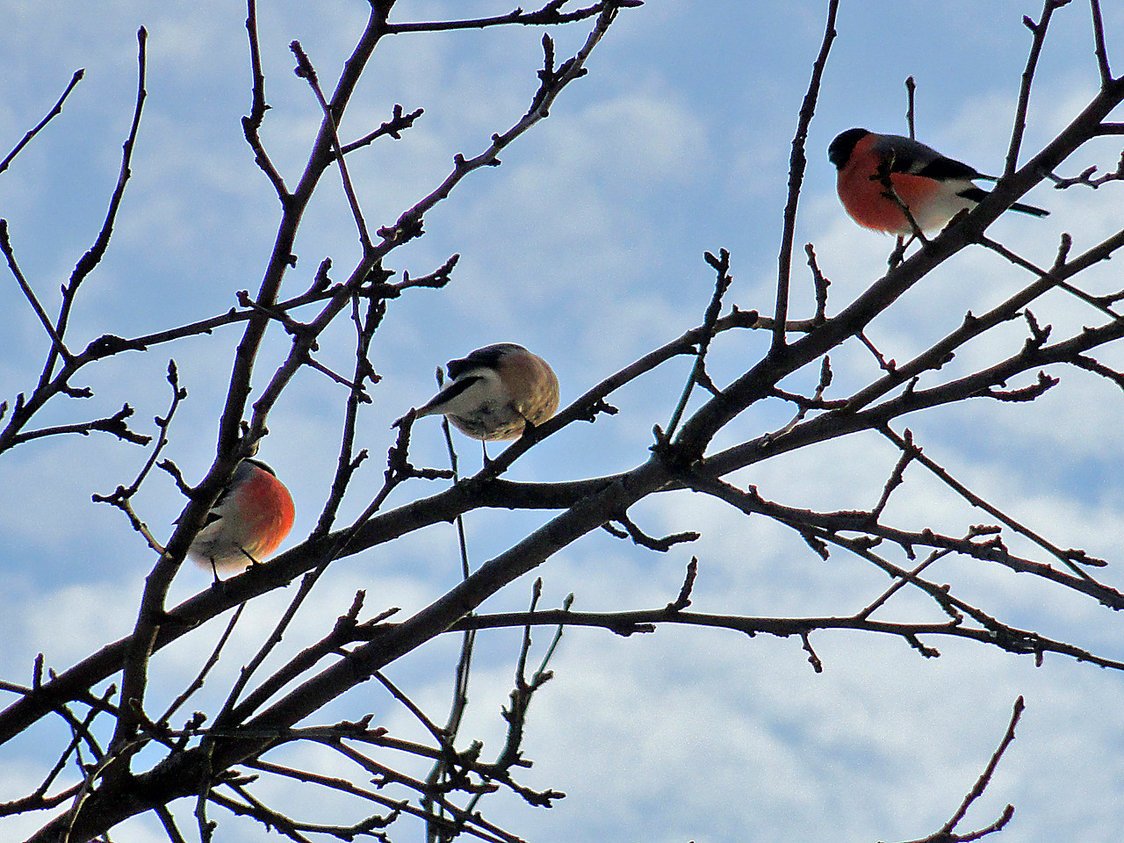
(585, 245)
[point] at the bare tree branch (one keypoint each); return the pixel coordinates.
(816, 384)
(55, 111)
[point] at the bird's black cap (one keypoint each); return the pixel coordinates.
(839, 152)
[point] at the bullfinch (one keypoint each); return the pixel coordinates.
(933, 187)
(249, 520)
(495, 392)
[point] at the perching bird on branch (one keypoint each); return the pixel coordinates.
(933, 187)
(495, 392)
(249, 520)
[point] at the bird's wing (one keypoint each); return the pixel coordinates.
(213, 513)
(487, 357)
(447, 394)
(212, 516)
(914, 157)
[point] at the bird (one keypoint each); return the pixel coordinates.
(934, 188)
(495, 393)
(250, 518)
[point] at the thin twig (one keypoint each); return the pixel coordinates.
(307, 72)
(721, 266)
(548, 15)
(797, 162)
(946, 833)
(56, 109)
(1098, 39)
(910, 113)
(1038, 32)
(89, 261)
(251, 123)
(29, 294)
(201, 677)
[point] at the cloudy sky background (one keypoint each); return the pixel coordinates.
(586, 246)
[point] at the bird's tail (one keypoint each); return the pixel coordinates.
(1030, 209)
(430, 408)
(978, 194)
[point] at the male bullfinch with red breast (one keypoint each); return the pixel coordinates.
(249, 520)
(495, 392)
(933, 187)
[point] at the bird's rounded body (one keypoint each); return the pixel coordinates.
(495, 392)
(250, 519)
(934, 187)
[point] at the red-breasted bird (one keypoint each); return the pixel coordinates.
(249, 520)
(933, 187)
(495, 392)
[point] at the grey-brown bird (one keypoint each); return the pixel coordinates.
(495, 392)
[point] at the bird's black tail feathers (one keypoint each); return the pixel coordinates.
(978, 194)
